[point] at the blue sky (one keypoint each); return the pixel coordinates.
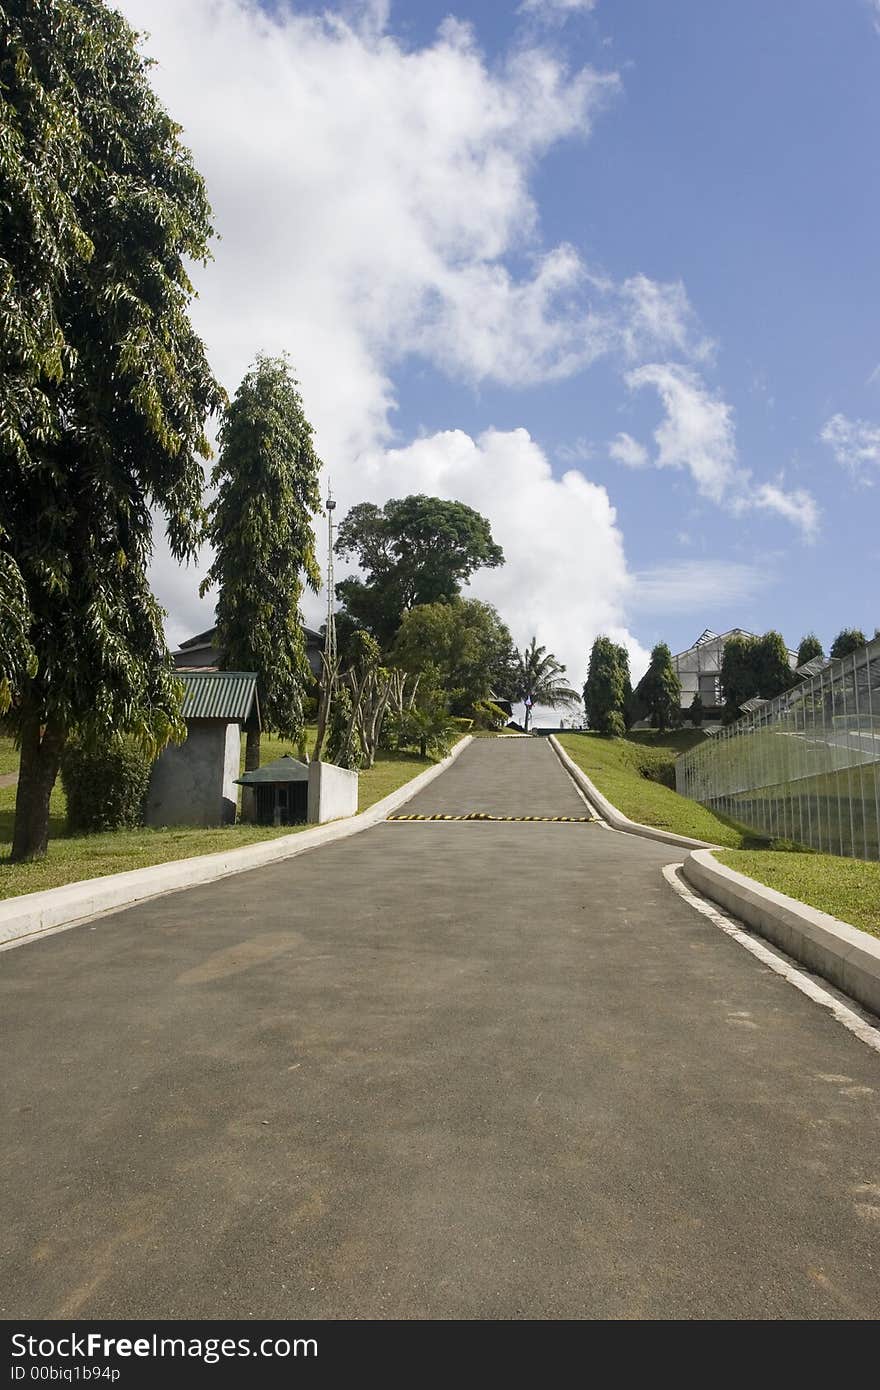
(663, 252)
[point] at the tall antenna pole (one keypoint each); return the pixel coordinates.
(330, 630)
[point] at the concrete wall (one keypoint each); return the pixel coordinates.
(194, 783)
(333, 792)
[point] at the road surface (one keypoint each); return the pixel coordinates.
(437, 1070)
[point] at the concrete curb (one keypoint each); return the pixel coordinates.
(616, 819)
(32, 915)
(847, 957)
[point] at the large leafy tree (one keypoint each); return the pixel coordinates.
(847, 642)
(659, 690)
(260, 524)
(540, 680)
(414, 550)
(739, 680)
(754, 666)
(810, 647)
(466, 646)
(606, 688)
(773, 673)
(104, 386)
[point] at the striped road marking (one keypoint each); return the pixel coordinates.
(484, 815)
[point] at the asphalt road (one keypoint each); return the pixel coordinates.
(438, 1070)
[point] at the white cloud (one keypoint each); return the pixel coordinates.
(798, 506)
(696, 586)
(856, 445)
(366, 195)
(581, 450)
(628, 451)
(698, 434)
(554, 9)
(660, 317)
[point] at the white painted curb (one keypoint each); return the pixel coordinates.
(616, 819)
(34, 914)
(847, 957)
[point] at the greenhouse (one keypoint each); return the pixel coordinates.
(803, 767)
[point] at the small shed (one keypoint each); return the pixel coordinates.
(281, 791)
(193, 783)
(288, 792)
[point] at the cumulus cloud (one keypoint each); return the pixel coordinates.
(698, 434)
(855, 443)
(628, 451)
(367, 194)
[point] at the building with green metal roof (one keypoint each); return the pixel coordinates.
(194, 783)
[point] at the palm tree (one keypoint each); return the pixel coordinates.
(540, 680)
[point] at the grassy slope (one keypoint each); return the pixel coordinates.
(618, 766)
(847, 888)
(71, 858)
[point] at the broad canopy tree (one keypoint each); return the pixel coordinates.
(414, 550)
(464, 644)
(260, 524)
(104, 385)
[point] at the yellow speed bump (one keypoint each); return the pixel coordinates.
(484, 815)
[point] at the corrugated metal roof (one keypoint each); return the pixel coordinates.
(283, 769)
(219, 694)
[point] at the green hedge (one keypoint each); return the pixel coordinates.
(106, 787)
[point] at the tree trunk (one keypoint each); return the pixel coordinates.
(251, 763)
(38, 770)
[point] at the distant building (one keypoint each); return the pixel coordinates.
(699, 670)
(201, 653)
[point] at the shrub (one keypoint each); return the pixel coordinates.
(488, 715)
(105, 787)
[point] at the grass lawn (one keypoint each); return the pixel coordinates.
(71, 858)
(631, 772)
(847, 888)
(623, 768)
(8, 755)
